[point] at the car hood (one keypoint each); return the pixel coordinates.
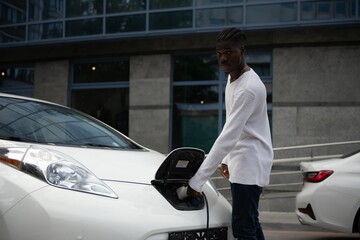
(138, 166)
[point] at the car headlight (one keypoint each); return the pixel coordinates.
(60, 170)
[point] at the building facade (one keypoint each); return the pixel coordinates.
(148, 67)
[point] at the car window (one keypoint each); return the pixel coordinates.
(31, 121)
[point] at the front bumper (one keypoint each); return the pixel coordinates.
(139, 213)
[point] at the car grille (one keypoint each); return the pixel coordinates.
(201, 234)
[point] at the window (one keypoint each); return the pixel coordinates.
(12, 12)
(323, 10)
(195, 116)
(127, 23)
(260, 61)
(219, 16)
(327, 9)
(197, 92)
(76, 8)
(17, 79)
(12, 34)
(120, 6)
(32, 21)
(216, 2)
(199, 67)
(161, 4)
(45, 10)
(83, 27)
(307, 11)
(271, 13)
(101, 89)
(45, 31)
(170, 20)
(101, 72)
(198, 109)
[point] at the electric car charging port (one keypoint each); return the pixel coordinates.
(176, 170)
(168, 190)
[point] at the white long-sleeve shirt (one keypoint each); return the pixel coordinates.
(244, 143)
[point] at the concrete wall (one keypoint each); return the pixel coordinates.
(316, 94)
(149, 114)
(51, 81)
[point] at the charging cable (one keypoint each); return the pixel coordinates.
(182, 194)
(207, 216)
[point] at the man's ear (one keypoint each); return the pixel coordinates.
(242, 49)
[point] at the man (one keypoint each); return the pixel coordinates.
(244, 146)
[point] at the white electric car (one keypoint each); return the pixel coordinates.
(66, 175)
(330, 197)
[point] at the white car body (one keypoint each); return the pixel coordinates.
(333, 203)
(33, 209)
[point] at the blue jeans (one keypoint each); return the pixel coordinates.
(245, 214)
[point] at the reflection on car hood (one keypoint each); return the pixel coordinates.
(138, 166)
(322, 165)
(119, 165)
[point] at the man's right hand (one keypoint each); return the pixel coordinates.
(224, 171)
(192, 193)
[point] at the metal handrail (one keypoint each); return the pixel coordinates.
(316, 145)
(297, 160)
(301, 159)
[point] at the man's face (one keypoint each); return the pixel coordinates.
(229, 56)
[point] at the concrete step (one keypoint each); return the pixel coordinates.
(278, 202)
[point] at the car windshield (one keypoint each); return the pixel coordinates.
(32, 121)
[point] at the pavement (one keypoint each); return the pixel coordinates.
(279, 217)
(283, 221)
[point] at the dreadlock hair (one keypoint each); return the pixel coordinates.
(232, 34)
